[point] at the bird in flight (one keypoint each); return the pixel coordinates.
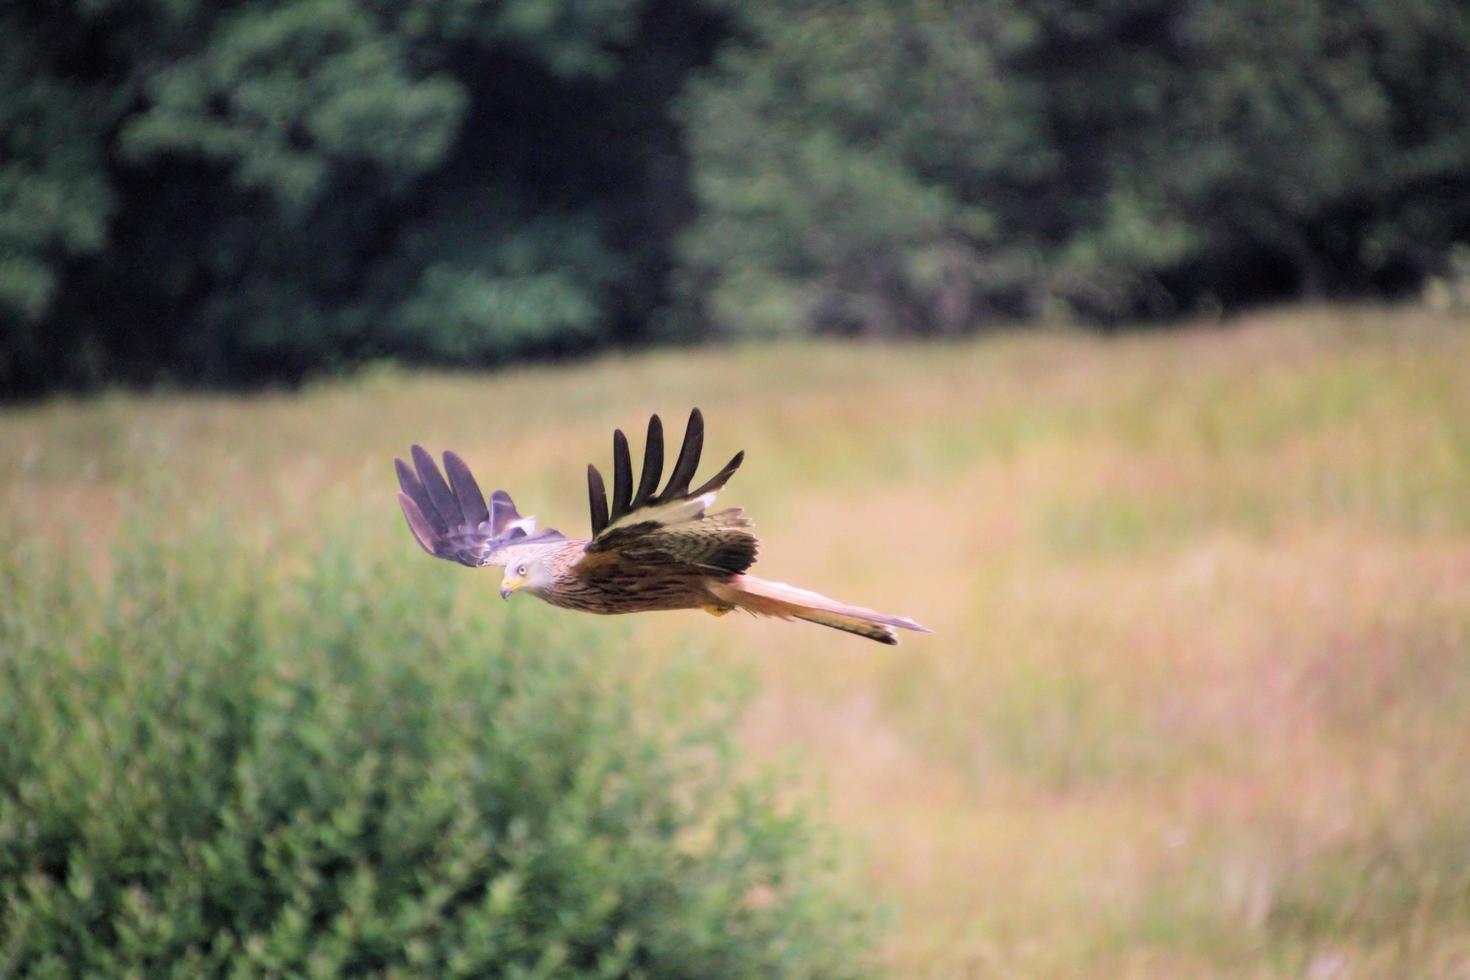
(653, 549)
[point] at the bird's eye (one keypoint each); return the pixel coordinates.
(521, 571)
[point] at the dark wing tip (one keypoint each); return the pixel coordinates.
(466, 490)
(622, 495)
(688, 460)
(438, 494)
(718, 481)
(410, 483)
(422, 532)
(596, 499)
(453, 460)
(653, 464)
(406, 477)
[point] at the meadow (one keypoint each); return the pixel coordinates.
(1198, 699)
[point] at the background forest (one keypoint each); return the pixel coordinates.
(232, 193)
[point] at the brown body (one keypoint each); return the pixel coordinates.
(650, 551)
(609, 587)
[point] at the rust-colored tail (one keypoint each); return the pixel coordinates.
(763, 598)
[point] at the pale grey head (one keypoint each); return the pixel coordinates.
(530, 567)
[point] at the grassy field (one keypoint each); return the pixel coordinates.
(1198, 703)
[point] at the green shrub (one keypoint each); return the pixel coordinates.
(212, 765)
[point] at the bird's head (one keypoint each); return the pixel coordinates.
(531, 572)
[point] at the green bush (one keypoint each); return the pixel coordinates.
(211, 765)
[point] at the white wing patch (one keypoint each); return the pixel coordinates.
(674, 512)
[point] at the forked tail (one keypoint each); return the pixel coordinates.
(765, 598)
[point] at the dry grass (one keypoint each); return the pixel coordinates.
(1197, 704)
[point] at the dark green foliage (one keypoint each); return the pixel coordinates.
(232, 193)
(55, 199)
(214, 767)
(921, 166)
(226, 193)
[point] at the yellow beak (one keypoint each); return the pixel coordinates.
(509, 584)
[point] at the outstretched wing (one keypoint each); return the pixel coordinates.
(709, 544)
(668, 527)
(451, 520)
(675, 503)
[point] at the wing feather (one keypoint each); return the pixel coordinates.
(688, 461)
(653, 464)
(671, 528)
(462, 484)
(647, 505)
(503, 514)
(622, 475)
(451, 520)
(720, 544)
(441, 498)
(596, 499)
(717, 482)
(423, 532)
(428, 514)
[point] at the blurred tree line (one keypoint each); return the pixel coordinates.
(226, 193)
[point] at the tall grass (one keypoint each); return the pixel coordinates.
(1197, 701)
